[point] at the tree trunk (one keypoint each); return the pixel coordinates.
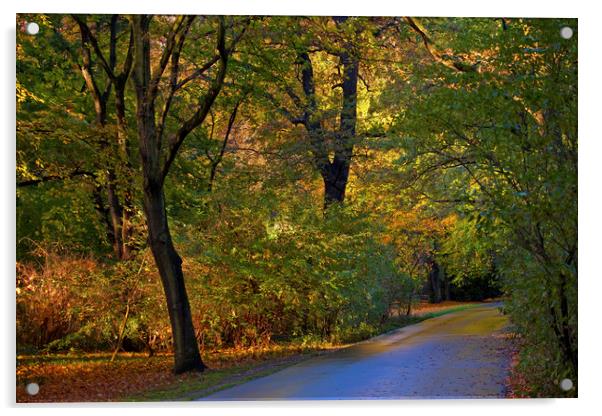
(335, 173)
(104, 212)
(435, 283)
(410, 297)
(116, 212)
(127, 206)
(169, 263)
(447, 285)
(335, 184)
(563, 330)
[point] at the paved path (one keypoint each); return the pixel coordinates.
(459, 355)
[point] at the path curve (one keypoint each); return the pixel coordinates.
(458, 355)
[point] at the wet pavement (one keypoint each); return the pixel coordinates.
(459, 355)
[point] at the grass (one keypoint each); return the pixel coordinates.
(434, 314)
(213, 380)
(404, 320)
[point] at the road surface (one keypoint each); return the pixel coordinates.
(459, 355)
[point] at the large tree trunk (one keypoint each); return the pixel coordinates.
(169, 263)
(335, 182)
(335, 173)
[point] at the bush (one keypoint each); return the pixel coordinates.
(254, 278)
(75, 302)
(261, 276)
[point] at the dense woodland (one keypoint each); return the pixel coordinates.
(188, 183)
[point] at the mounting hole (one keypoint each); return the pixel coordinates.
(32, 28)
(32, 389)
(566, 32)
(566, 384)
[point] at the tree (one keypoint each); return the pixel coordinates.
(158, 152)
(335, 173)
(510, 131)
(299, 101)
(120, 205)
(108, 169)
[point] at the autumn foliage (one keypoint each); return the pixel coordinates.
(313, 179)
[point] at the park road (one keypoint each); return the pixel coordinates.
(459, 355)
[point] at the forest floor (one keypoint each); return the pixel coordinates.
(137, 377)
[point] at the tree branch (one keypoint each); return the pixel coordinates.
(215, 162)
(206, 101)
(200, 71)
(49, 178)
(173, 81)
(179, 29)
(454, 64)
(85, 30)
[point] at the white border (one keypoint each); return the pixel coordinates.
(506, 8)
(590, 289)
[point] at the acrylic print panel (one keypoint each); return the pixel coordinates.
(295, 208)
